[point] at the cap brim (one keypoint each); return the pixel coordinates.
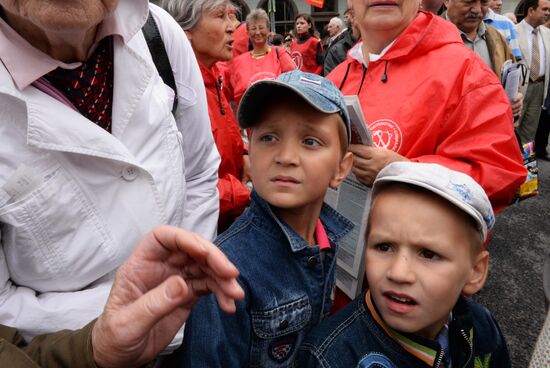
(482, 227)
(258, 94)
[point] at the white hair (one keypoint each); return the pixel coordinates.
(188, 13)
(339, 22)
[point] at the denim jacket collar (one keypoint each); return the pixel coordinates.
(428, 351)
(336, 225)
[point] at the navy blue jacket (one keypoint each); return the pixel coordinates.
(288, 286)
(357, 337)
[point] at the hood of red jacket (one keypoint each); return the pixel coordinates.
(426, 32)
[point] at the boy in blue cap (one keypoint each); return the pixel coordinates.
(424, 256)
(284, 245)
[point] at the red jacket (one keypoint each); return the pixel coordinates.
(245, 70)
(432, 100)
(307, 54)
(234, 196)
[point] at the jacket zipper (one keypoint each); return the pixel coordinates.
(439, 359)
(463, 333)
(218, 88)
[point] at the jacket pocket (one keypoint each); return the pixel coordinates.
(52, 236)
(278, 333)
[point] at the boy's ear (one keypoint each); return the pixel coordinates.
(478, 274)
(343, 170)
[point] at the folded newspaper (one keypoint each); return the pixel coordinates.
(352, 200)
(512, 74)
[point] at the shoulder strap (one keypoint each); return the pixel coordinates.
(160, 57)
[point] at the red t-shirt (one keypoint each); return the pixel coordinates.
(245, 70)
(305, 52)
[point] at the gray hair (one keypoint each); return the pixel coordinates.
(256, 15)
(188, 13)
(339, 22)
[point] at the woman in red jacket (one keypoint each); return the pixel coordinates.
(210, 31)
(426, 98)
(263, 62)
(306, 50)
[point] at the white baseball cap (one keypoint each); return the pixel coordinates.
(456, 187)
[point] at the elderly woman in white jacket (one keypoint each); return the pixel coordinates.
(91, 156)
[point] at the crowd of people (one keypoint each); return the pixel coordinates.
(163, 170)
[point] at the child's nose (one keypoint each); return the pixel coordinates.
(287, 154)
(401, 269)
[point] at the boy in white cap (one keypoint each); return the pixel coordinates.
(424, 257)
(284, 245)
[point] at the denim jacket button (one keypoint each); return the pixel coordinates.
(283, 325)
(312, 262)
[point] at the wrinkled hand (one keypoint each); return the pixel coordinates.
(517, 104)
(369, 160)
(246, 170)
(153, 293)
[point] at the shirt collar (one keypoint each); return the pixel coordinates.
(376, 57)
(321, 236)
(26, 64)
(490, 15)
(357, 53)
(423, 349)
(335, 226)
(529, 28)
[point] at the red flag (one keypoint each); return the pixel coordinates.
(316, 3)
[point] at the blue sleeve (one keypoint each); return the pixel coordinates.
(214, 338)
(514, 43)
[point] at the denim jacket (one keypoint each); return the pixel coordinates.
(288, 286)
(358, 337)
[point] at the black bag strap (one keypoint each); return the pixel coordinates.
(160, 57)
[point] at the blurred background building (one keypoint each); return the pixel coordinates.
(286, 11)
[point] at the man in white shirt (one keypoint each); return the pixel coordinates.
(535, 48)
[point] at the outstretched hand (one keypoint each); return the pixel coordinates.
(369, 160)
(154, 291)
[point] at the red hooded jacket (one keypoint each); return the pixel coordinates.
(307, 54)
(234, 196)
(431, 99)
(245, 70)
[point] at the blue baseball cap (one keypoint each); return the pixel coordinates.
(317, 91)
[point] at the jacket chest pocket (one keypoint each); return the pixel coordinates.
(278, 333)
(52, 236)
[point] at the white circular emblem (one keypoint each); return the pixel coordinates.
(386, 134)
(297, 58)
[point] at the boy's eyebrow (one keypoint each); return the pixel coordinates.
(266, 124)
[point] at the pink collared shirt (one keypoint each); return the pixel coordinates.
(26, 64)
(321, 236)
